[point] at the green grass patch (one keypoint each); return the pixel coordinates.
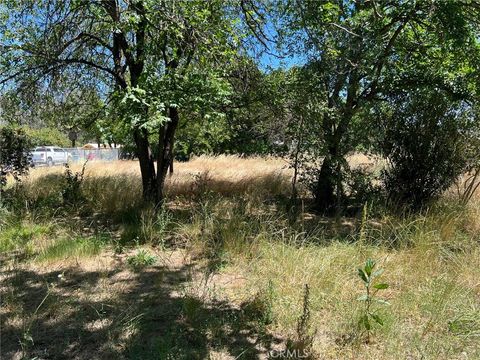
(17, 236)
(73, 247)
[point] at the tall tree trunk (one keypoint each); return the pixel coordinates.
(147, 166)
(165, 150)
(329, 188)
(324, 191)
(325, 188)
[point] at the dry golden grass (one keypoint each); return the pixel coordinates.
(222, 167)
(114, 185)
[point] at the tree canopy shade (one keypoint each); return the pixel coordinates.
(361, 51)
(153, 56)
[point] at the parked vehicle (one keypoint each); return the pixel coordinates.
(50, 155)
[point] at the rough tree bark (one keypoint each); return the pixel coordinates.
(147, 165)
(165, 150)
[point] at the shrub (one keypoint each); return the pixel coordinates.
(14, 154)
(423, 143)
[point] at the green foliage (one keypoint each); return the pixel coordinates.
(424, 143)
(369, 313)
(199, 95)
(141, 260)
(179, 78)
(357, 55)
(254, 121)
(14, 154)
(17, 236)
(47, 136)
(73, 248)
(471, 153)
(245, 120)
(151, 59)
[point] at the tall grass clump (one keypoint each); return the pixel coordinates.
(116, 196)
(154, 225)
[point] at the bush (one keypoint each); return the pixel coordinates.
(14, 154)
(423, 143)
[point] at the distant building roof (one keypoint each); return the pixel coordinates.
(90, 146)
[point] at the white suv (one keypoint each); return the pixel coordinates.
(50, 155)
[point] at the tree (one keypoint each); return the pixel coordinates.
(145, 52)
(356, 50)
(46, 136)
(254, 115)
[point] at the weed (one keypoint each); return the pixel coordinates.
(21, 235)
(26, 341)
(154, 224)
(200, 186)
(260, 308)
(191, 307)
(467, 325)
(141, 260)
(72, 192)
(118, 246)
(303, 343)
(369, 314)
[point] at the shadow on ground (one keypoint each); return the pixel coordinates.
(149, 319)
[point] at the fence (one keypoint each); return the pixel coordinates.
(82, 155)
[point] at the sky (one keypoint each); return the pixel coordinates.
(272, 58)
